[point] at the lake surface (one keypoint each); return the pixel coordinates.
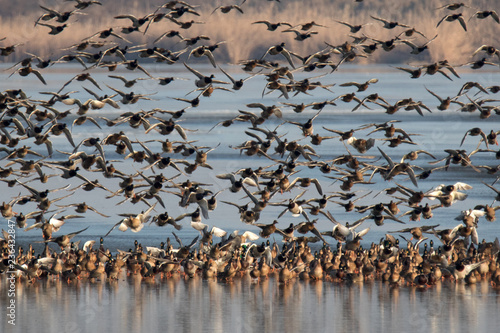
(179, 305)
(244, 306)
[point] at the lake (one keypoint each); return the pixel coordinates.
(179, 305)
(176, 304)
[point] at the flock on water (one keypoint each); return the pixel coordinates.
(415, 253)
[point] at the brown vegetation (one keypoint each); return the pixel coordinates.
(246, 40)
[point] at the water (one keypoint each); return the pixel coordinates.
(176, 304)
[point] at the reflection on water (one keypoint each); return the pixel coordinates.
(197, 305)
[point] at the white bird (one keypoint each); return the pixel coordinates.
(236, 185)
(460, 271)
(449, 194)
(134, 222)
(470, 217)
(206, 233)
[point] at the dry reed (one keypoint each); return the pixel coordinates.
(246, 40)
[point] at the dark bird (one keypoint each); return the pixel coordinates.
(454, 17)
(272, 26)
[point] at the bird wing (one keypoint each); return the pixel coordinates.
(250, 236)
(462, 23)
(112, 228)
(88, 244)
(199, 226)
(36, 225)
(56, 223)
(193, 242)
(318, 186)
(124, 224)
(71, 235)
(462, 186)
(195, 72)
(388, 159)
(218, 232)
(39, 76)
(204, 208)
(177, 239)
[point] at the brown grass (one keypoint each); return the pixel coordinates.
(246, 40)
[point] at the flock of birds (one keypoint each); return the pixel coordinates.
(26, 172)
